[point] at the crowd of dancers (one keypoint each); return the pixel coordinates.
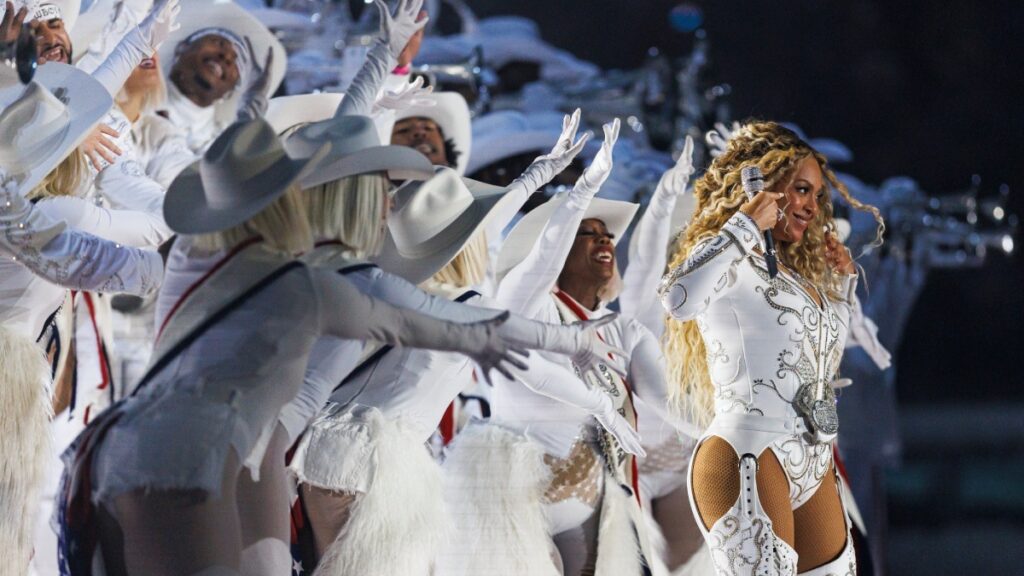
(288, 335)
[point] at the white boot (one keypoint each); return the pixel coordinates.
(742, 542)
(844, 565)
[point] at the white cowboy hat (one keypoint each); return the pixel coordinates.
(287, 112)
(244, 171)
(43, 122)
(615, 214)
(199, 15)
(433, 220)
(505, 133)
(355, 149)
(451, 113)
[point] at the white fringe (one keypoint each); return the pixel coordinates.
(658, 544)
(618, 548)
(494, 485)
(25, 412)
(400, 523)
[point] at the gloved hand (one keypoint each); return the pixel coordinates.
(546, 167)
(627, 436)
(718, 139)
(396, 30)
(492, 350)
(159, 23)
(592, 350)
(407, 96)
(253, 104)
(595, 175)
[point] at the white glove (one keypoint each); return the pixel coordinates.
(840, 383)
(159, 23)
(718, 139)
(410, 94)
(592, 350)
(674, 181)
(253, 104)
(627, 436)
(492, 350)
(396, 30)
(546, 167)
(595, 175)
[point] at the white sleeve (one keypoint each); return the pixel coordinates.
(648, 253)
(126, 187)
(121, 62)
(524, 289)
(864, 333)
(164, 151)
(128, 227)
(709, 272)
(647, 377)
(558, 382)
(347, 313)
(73, 259)
(366, 86)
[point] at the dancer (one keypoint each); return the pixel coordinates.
(758, 355)
(663, 470)
(542, 471)
(41, 260)
(199, 418)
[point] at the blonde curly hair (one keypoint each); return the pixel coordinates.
(776, 150)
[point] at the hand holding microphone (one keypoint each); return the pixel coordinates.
(763, 209)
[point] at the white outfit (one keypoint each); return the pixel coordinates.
(765, 341)
(200, 125)
(36, 250)
(176, 431)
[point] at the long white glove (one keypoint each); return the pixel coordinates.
(673, 182)
(253, 104)
(718, 139)
(396, 30)
(157, 26)
(580, 341)
(617, 426)
(408, 95)
(595, 175)
(544, 168)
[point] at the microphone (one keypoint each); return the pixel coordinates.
(753, 183)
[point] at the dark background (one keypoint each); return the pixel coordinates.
(917, 88)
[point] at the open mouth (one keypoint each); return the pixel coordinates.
(55, 53)
(425, 148)
(604, 256)
(148, 64)
(802, 219)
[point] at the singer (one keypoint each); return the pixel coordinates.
(753, 356)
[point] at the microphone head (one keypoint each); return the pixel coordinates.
(752, 179)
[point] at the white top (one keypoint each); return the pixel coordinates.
(527, 290)
(176, 430)
(40, 258)
(764, 339)
(199, 125)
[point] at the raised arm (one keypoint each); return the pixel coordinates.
(649, 249)
(139, 43)
(69, 258)
(524, 288)
(647, 376)
(541, 171)
(395, 32)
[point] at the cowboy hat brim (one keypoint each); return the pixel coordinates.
(428, 258)
(400, 162)
(187, 209)
(287, 112)
(199, 15)
(616, 215)
(86, 100)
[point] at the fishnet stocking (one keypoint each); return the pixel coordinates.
(820, 526)
(716, 486)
